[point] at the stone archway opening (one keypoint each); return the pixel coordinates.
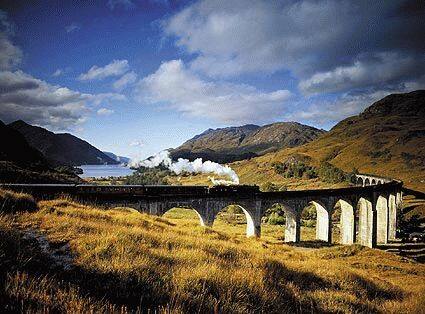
(236, 220)
(366, 182)
(360, 181)
(279, 217)
(315, 223)
(343, 223)
(184, 215)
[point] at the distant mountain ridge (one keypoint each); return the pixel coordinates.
(387, 138)
(61, 148)
(15, 148)
(22, 163)
(237, 143)
(120, 159)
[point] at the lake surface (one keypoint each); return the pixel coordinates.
(104, 171)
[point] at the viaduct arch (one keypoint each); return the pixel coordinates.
(375, 200)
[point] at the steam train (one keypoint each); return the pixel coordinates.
(133, 190)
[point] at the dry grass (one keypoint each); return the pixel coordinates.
(16, 202)
(413, 207)
(28, 285)
(124, 260)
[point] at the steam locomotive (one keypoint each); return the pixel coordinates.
(134, 190)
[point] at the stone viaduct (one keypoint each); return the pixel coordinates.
(368, 210)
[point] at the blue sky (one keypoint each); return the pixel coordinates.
(135, 77)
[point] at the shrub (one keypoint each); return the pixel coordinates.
(309, 213)
(295, 169)
(351, 177)
(331, 174)
(310, 173)
(308, 223)
(275, 215)
(381, 154)
(275, 219)
(148, 176)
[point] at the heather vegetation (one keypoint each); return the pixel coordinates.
(67, 257)
(326, 172)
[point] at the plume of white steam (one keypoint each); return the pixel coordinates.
(186, 166)
(162, 157)
(221, 182)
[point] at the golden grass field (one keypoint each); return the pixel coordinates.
(119, 260)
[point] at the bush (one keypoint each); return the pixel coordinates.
(308, 223)
(11, 202)
(275, 215)
(148, 176)
(294, 168)
(310, 173)
(309, 213)
(351, 177)
(276, 219)
(331, 174)
(381, 154)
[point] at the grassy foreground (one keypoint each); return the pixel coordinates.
(73, 258)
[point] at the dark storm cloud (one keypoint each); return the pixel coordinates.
(11, 82)
(37, 102)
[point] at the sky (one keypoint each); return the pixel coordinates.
(138, 76)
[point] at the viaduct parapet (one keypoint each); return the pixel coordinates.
(368, 210)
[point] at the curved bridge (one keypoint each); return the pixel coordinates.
(368, 210)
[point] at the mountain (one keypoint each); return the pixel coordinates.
(120, 159)
(62, 148)
(22, 163)
(387, 139)
(15, 148)
(237, 143)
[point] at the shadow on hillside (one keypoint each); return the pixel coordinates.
(280, 278)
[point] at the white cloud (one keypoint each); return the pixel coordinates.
(105, 112)
(37, 102)
(10, 55)
(106, 98)
(184, 91)
(57, 73)
(72, 27)
(137, 143)
(383, 67)
(230, 37)
(125, 80)
(115, 68)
